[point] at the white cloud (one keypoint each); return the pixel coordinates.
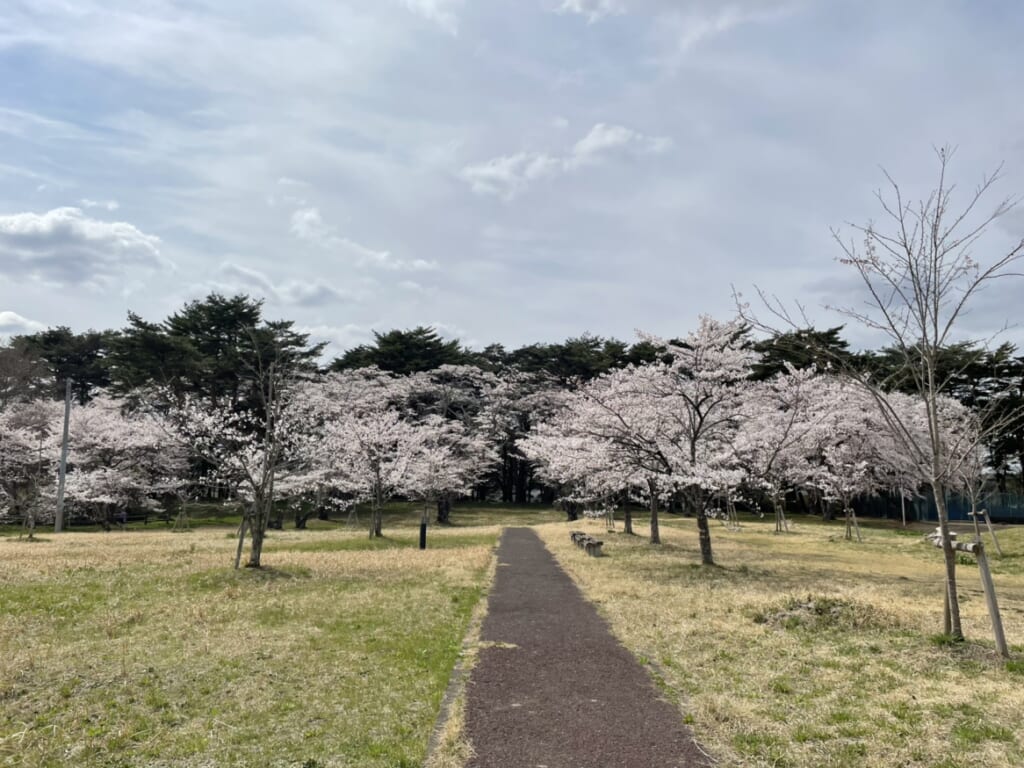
(593, 10)
(65, 246)
(13, 324)
(439, 12)
(36, 127)
(308, 225)
(509, 175)
(235, 277)
(371, 109)
(687, 27)
(338, 338)
(107, 205)
(604, 139)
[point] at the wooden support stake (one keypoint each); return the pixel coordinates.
(990, 601)
(977, 549)
(992, 532)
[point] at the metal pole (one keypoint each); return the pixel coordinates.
(58, 524)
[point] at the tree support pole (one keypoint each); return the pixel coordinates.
(58, 524)
(977, 549)
(990, 601)
(992, 532)
(241, 540)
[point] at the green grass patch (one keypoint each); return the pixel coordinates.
(136, 649)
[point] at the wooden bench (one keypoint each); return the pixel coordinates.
(586, 542)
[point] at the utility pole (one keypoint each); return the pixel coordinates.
(58, 525)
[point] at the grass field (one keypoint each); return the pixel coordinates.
(806, 650)
(144, 648)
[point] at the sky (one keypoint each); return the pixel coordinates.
(506, 171)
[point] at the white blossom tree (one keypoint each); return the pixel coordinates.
(586, 466)
(447, 462)
(29, 446)
(460, 395)
(698, 402)
(120, 457)
(774, 440)
(262, 451)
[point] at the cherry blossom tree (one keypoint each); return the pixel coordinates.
(459, 394)
(372, 454)
(585, 466)
(121, 457)
(698, 404)
(666, 426)
(262, 451)
(29, 445)
(619, 420)
(446, 462)
(773, 444)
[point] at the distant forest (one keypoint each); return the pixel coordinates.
(209, 346)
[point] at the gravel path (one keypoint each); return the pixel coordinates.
(556, 690)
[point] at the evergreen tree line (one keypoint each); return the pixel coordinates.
(216, 347)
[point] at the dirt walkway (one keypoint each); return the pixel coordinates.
(556, 690)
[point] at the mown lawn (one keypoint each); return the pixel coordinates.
(144, 648)
(806, 650)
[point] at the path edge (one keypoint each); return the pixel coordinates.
(449, 728)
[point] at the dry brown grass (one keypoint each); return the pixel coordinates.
(146, 649)
(767, 681)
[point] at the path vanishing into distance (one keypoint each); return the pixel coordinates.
(553, 688)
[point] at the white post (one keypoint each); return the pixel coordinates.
(58, 524)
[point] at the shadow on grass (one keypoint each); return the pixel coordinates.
(363, 544)
(222, 578)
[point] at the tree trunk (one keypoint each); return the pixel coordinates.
(949, 556)
(275, 517)
(301, 518)
(801, 503)
(826, 511)
(779, 506)
(627, 516)
(321, 508)
(507, 467)
(655, 533)
(572, 511)
(444, 509)
(261, 518)
(377, 514)
(30, 522)
(704, 531)
(522, 481)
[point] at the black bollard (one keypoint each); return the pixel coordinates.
(423, 535)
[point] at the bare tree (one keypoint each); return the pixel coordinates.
(920, 277)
